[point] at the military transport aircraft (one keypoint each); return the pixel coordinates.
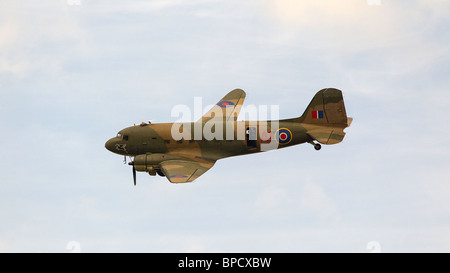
(184, 151)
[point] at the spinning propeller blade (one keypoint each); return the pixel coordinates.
(134, 172)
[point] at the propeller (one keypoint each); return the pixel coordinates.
(134, 172)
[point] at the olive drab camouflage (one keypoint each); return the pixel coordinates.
(183, 151)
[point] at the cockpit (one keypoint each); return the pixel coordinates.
(122, 137)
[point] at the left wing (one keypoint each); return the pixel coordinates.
(228, 107)
(180, 171)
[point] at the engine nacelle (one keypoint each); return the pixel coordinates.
(150, 162)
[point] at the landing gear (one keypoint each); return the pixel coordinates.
(160, 173)
(317, 146)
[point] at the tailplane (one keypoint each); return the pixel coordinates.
(325, 117)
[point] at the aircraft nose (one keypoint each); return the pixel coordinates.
(110, 144)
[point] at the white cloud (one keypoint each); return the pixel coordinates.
(309, 201)
(390, 40)
(86, 71)
(36, 38)
(435, 185)
(4, 247)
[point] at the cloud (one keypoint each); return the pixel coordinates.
(349, 19)
(73, 75)
(308, 201)
(4, 247)
(390, 39)
(36, 38)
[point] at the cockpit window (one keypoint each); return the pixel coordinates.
(123, 137)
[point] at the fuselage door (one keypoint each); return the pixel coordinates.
(251, 138)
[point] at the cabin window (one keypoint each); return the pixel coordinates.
(125, 137)
(167, 141)
(180, 141)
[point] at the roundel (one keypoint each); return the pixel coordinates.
(178, 176)
(283, 136)
(225, 103)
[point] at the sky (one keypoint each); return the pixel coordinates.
(75, 72)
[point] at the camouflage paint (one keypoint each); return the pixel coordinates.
(156, 150)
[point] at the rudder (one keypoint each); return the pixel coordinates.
(325, 117)
(326, 107)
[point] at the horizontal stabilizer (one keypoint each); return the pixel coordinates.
(349, 121)
(327, 135)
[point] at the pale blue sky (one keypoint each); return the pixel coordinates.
(71, 76)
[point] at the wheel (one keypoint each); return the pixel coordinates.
(160, 173)
(317, 146)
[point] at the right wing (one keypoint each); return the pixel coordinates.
(228, 107)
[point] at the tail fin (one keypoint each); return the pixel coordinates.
(325, 117)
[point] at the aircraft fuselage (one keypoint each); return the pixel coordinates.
(234, 138)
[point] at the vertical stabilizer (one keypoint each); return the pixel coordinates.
(326, 108)
(325, 117)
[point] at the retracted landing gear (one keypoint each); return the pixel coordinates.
(317, 146)
(154, 170)
(160, 173)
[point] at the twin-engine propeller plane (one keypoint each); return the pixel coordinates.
(182, 152)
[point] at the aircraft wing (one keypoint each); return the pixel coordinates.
(228, 107)
(180, 171)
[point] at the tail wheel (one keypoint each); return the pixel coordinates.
(317, 146)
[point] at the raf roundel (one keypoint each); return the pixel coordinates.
(225, 104)
(178, 176)
(283, 136)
